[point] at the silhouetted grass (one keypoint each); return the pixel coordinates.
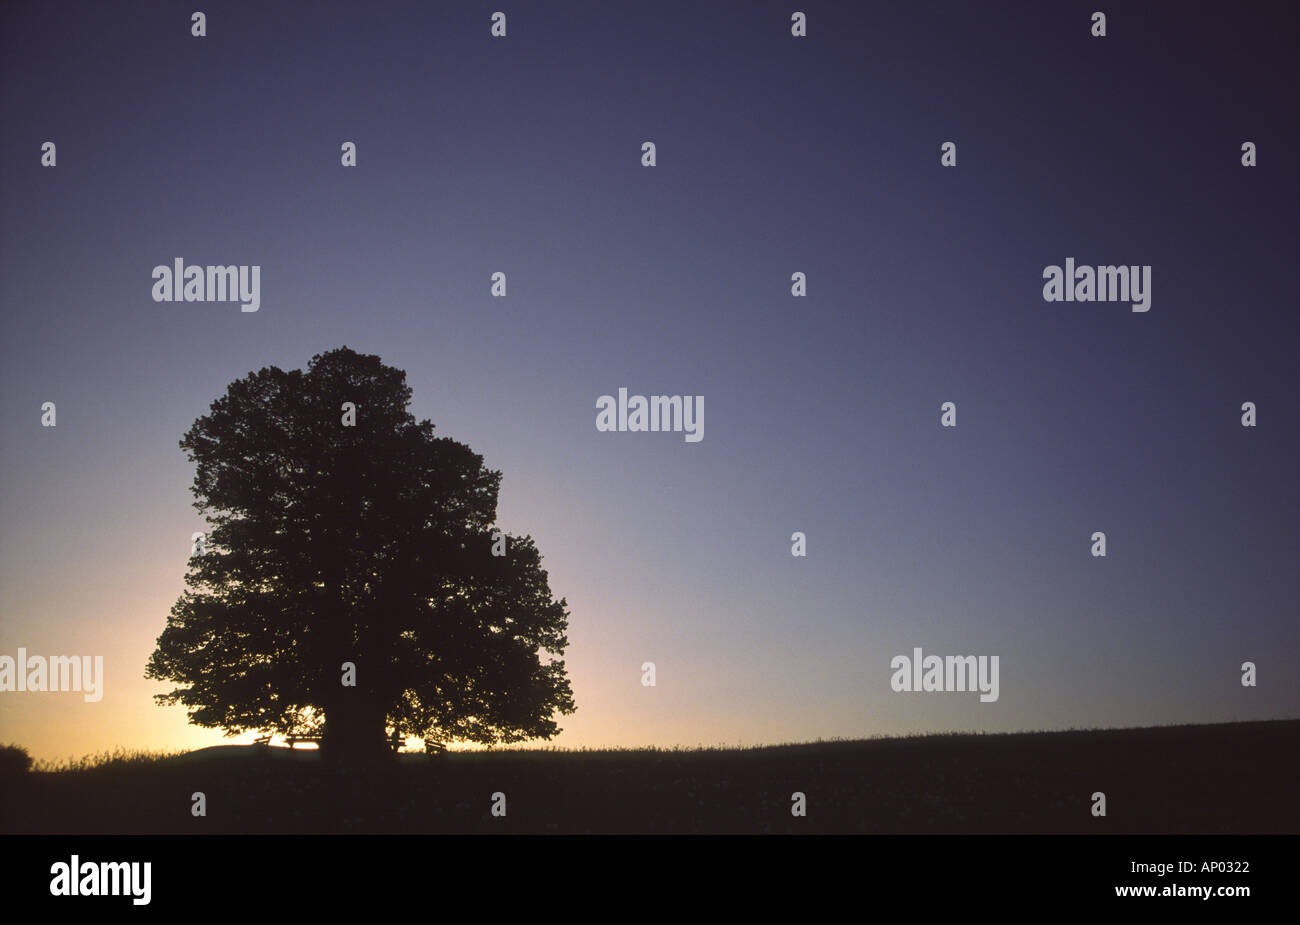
(119, 759)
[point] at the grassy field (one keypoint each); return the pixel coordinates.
(1226, 778)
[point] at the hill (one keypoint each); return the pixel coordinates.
(1225, 778)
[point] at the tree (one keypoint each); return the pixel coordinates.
(369, 544)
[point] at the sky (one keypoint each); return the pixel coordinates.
(774, 155)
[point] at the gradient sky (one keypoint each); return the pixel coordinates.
(775, 154)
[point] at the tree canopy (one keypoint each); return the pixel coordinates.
(370, 545)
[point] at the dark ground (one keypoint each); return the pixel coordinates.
(1227, 778)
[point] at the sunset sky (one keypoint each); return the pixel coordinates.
(775, 155)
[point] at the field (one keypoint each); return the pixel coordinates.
(1225, 778)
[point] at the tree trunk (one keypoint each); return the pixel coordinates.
(355, 728)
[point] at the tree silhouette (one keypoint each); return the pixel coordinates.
(371, 545)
